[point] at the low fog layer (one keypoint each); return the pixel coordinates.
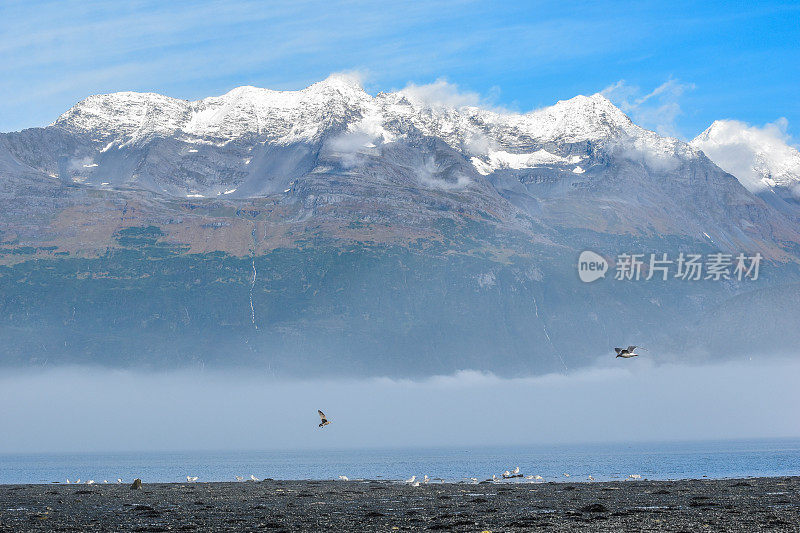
(65, 410)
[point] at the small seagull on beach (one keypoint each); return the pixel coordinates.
(415, 484)
(254, 478)
(105, 481)
(426, 479)
(90, 482)
(239, 478)
(323, 419)
(344, 478)
(411, 479)
(591, 478)
(474, 479)
(635, 476)
(191, 479)
(494, 477)
(516, 470)
(79, 480)
(627, 353)
(67, 481)
(119, 480)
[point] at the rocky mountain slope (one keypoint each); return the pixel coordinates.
(331, 229)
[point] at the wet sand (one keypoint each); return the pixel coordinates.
(764, 504)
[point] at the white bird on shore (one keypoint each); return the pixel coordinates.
(411, 479)
(119, 480)
(415, 484)
(635, 476)
(538, 477)
(79, 480)
(344, 478)
(506, 474)
(516, 470)
(591, 478)
(67, 481)
(566, 475)
(191, 479)
(105, 481)
(253, 478)
(426, 479)
(494, 477)
(90, 482)
(239, 478)
(474, 479)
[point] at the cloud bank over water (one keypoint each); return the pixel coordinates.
(83, 410)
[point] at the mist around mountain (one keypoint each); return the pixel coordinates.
(330, 231)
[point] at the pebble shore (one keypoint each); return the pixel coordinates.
(761, 504)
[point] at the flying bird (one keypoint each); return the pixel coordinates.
(628, 352)
(323, 419)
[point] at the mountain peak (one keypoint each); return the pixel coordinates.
(761, 158)
(592, 105)
(582, 117)
(341, 83)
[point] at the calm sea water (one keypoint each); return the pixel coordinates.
(602, 461)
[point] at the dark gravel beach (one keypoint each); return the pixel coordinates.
(765, 504)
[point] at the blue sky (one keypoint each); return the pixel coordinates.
(673, 66)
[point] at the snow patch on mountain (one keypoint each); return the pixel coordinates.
(502, 159)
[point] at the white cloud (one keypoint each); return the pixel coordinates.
(350, 147)
(441, 93)
(657, 110)
(430, 175)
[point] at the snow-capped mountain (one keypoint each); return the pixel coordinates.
(760, 158)
(579, 163)
(328, 229)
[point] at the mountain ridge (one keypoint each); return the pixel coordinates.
(379, 234)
